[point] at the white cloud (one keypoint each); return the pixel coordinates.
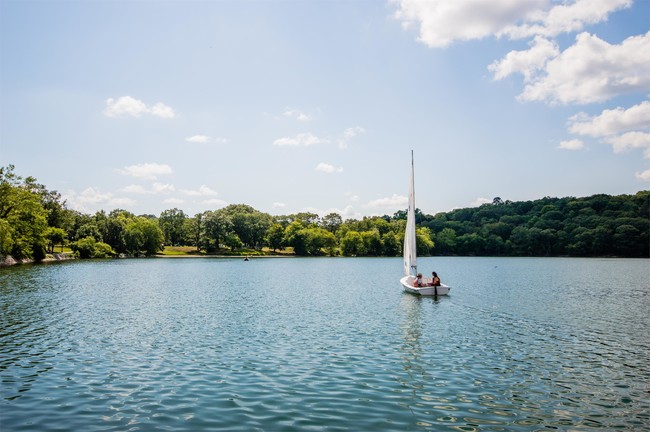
(352, 197)
(90, 198)
(442, 22)
(149, 171)
(644, 176)
(204, 139)
(574, 144)
(593, 70)
(160, 188)
(162, 110)
(565, 18)
(129, 106)
(611, 121)
(302, 139)
(348, 134)
(526, 62)
(630, 140)
(215, 202)
(279, 205)
(297, 114)
(198, 139)
(480, 201)
(135, 189)
(327, 168)
(122, 202)
(393, 202)
(202, 191)
(173, 201)
(621, 128)
(156, 188)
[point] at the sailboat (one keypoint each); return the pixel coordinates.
(410, 253)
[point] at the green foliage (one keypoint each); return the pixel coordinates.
(600, 225)
(274, 236)
(21, 207)
(172, 223)
(143, 236)
(88, 247)
(54, 236)
(6, 238)
(32, 217)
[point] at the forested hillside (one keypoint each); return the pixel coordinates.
(34, 221)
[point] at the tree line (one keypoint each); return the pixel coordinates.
(33, 220)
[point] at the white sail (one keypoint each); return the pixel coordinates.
(410, 255)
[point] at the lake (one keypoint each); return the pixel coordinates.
(325, 344)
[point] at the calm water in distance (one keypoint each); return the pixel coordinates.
(325, 344)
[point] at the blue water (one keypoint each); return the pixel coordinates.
(325, 344)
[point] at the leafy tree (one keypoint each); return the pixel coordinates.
(172, 223)
(306, 218)
(274, 236)
(88, 247)
(318, 240)
(6, 239)
(332, 222)
(446, 241)
(423, 239)
(55, 236)
(296, 237)
(372, 242)
(143, 236)
(625, 241)
(216, 227)
(113, 231)
(89, 230)
(391, 244)
(233, 242)
(352, 244)
(25, 216)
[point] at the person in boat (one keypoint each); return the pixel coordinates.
(435, 280)
(418, 280)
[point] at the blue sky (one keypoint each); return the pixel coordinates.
(295, 106)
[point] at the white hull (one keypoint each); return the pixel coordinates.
(407, 283)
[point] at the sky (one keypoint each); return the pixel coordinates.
(315, 106)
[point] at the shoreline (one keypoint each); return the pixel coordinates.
(8, 260)
(250, 257)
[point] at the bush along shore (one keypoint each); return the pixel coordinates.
(33, 220)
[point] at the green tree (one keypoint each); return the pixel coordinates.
(143, 236)
(446, 241)
(55, 236)
(372, 244)
(216, 227)
(332, 222)
(274, 236)
(318, 240)
(25, 216)
(625, 241)
(352, 244)
(172, 223)
(192, 229)
(296, 238)
(88, 247)
(424, 242)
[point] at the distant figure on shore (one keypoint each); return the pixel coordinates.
(435, 280)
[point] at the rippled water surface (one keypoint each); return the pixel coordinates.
(325, 344)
